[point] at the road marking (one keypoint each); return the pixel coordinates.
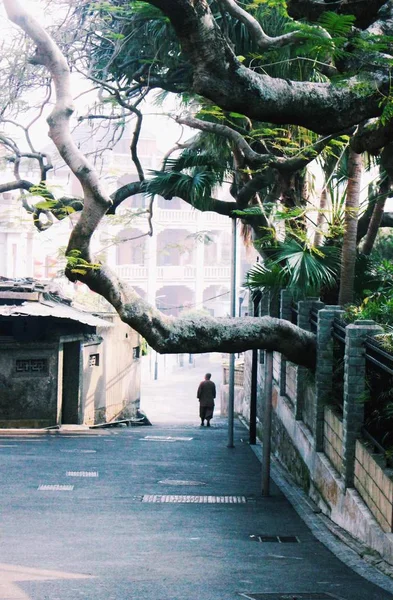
(82, 473)
(34, 440)
(55, 488)
(8, 445)
(10, 574)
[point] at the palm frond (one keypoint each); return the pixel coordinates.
(195, 189)
(308, 269)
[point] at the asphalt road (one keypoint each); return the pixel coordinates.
(117, 530)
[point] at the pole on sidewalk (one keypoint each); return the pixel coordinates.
(231, 391)
(253, 399)
(254, 381)
(267, 424)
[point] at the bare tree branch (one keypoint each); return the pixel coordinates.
(295, 163)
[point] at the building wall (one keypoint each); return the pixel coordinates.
(111, 388)
(28, 395)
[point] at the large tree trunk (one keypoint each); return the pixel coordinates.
(348, 256)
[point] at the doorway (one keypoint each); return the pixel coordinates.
(71, 384)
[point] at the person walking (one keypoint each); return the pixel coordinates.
(206, 394)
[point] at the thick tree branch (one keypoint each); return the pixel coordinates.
(262, 40)
(20, 184)
(387, 219)
(218, 75)
(171, 335)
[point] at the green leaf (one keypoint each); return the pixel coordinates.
(337, 25)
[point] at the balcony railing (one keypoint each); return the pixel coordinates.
(214, 274)
(176, 273)
(173, 273)
(133, 272)
(175, 216)
(187, 217)
(212, 217)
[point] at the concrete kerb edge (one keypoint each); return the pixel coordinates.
(303, 505)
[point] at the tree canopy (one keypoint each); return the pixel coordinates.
(269, 87)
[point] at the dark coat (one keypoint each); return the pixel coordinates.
(206, 393)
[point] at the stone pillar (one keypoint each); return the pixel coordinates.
(286, 300)
(354, 387)
(324, 369)
(264, 305)
(286, 304)
(303, 321)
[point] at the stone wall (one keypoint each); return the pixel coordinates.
(375, 485)
(333, 438)
(321, 450)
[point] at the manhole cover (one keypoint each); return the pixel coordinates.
(180, 482)
(291, 596)
(182, 499)
(278, 539)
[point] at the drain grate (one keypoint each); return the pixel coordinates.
(181, 499)
(81, 451)
(280, 539)
(82, 473)
(165, 438)
(180, 482)
(55, 488)
(291, 596)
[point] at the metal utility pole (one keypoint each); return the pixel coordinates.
(254, 382)
(267, 424)
(231, 395)
(156, 367)
(253, 399)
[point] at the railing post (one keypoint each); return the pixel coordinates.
(286, 300)
(354, 387)
(324, 369)
(254, 382)
(303, 321)
(267, 424)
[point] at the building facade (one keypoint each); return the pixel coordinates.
(60, 365)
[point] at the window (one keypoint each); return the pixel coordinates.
(94, 360)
